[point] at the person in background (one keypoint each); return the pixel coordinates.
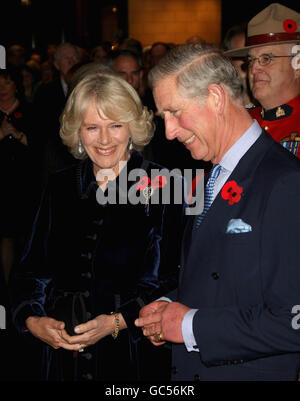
(30, 81)
(17, 175)
(196, 39)
(274, 72)
(47, 72)
(49, 103)
(131, 44)
(158, 50)
(16, 56)
(128, 65)
(235, 38)
(98, 54)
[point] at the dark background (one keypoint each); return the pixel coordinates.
(89, 22)
(234, 12)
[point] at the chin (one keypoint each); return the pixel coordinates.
(197, 155)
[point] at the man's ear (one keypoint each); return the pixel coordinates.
(296, 60)
(216, 97)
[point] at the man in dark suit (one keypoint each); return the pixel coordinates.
(232, 315)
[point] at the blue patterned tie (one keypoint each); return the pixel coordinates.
(209, 192)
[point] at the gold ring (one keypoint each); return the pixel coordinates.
(159, 337)
(81, 349)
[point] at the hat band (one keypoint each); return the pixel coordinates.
(272, 37)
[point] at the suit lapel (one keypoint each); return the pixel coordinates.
(220, 211)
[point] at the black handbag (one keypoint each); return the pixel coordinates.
(69, 308)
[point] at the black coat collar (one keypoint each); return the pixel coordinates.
(86, 181)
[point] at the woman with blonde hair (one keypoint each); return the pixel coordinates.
(89, 266)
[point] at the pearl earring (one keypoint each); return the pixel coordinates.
(130, 147)
(80, 147)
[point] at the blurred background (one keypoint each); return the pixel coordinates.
(37, 23)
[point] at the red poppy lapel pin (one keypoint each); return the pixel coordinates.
(17, 114)
(231, 192)
(148, 187)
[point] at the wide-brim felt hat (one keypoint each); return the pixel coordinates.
(276, 24)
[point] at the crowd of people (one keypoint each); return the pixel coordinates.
(67, 117)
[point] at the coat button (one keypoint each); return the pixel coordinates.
(215, 275)
(86, 355)
(86, 275)
(197, 378)
(92, 237)
(87, 255)
(98, 222)
(174, 370)
(87, 376)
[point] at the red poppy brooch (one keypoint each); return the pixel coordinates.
(17, 114)
(231, 192)
(147, 187)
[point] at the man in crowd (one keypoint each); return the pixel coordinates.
(274, 72)
(50, 100)
(232, 315)
(129, 66)
(236, 38)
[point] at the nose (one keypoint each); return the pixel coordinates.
(72, 61)
(254, 66)
(171, 127)
(104, 137)
(129, 79)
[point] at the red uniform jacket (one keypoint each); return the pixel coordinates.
(282, 123)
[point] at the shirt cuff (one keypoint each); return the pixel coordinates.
(187, 331)
(164, 299)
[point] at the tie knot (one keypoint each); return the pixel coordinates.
(215, 171)
(209, 192)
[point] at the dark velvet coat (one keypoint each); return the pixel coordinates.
(119, 256)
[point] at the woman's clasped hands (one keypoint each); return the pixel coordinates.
(54, 334)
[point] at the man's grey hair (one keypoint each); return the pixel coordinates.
(195, 67)
(59, 51)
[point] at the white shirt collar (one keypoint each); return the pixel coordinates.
(64, 85)
(240, 147)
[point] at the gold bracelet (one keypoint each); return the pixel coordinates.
(117, 327)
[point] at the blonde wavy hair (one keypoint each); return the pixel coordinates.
(114, 98)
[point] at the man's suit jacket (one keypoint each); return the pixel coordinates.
(245, 285)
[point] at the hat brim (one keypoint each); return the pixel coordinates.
(243, 51)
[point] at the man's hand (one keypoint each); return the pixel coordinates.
(153, 312)
(164, 318)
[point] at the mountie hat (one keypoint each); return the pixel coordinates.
(274, 25)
